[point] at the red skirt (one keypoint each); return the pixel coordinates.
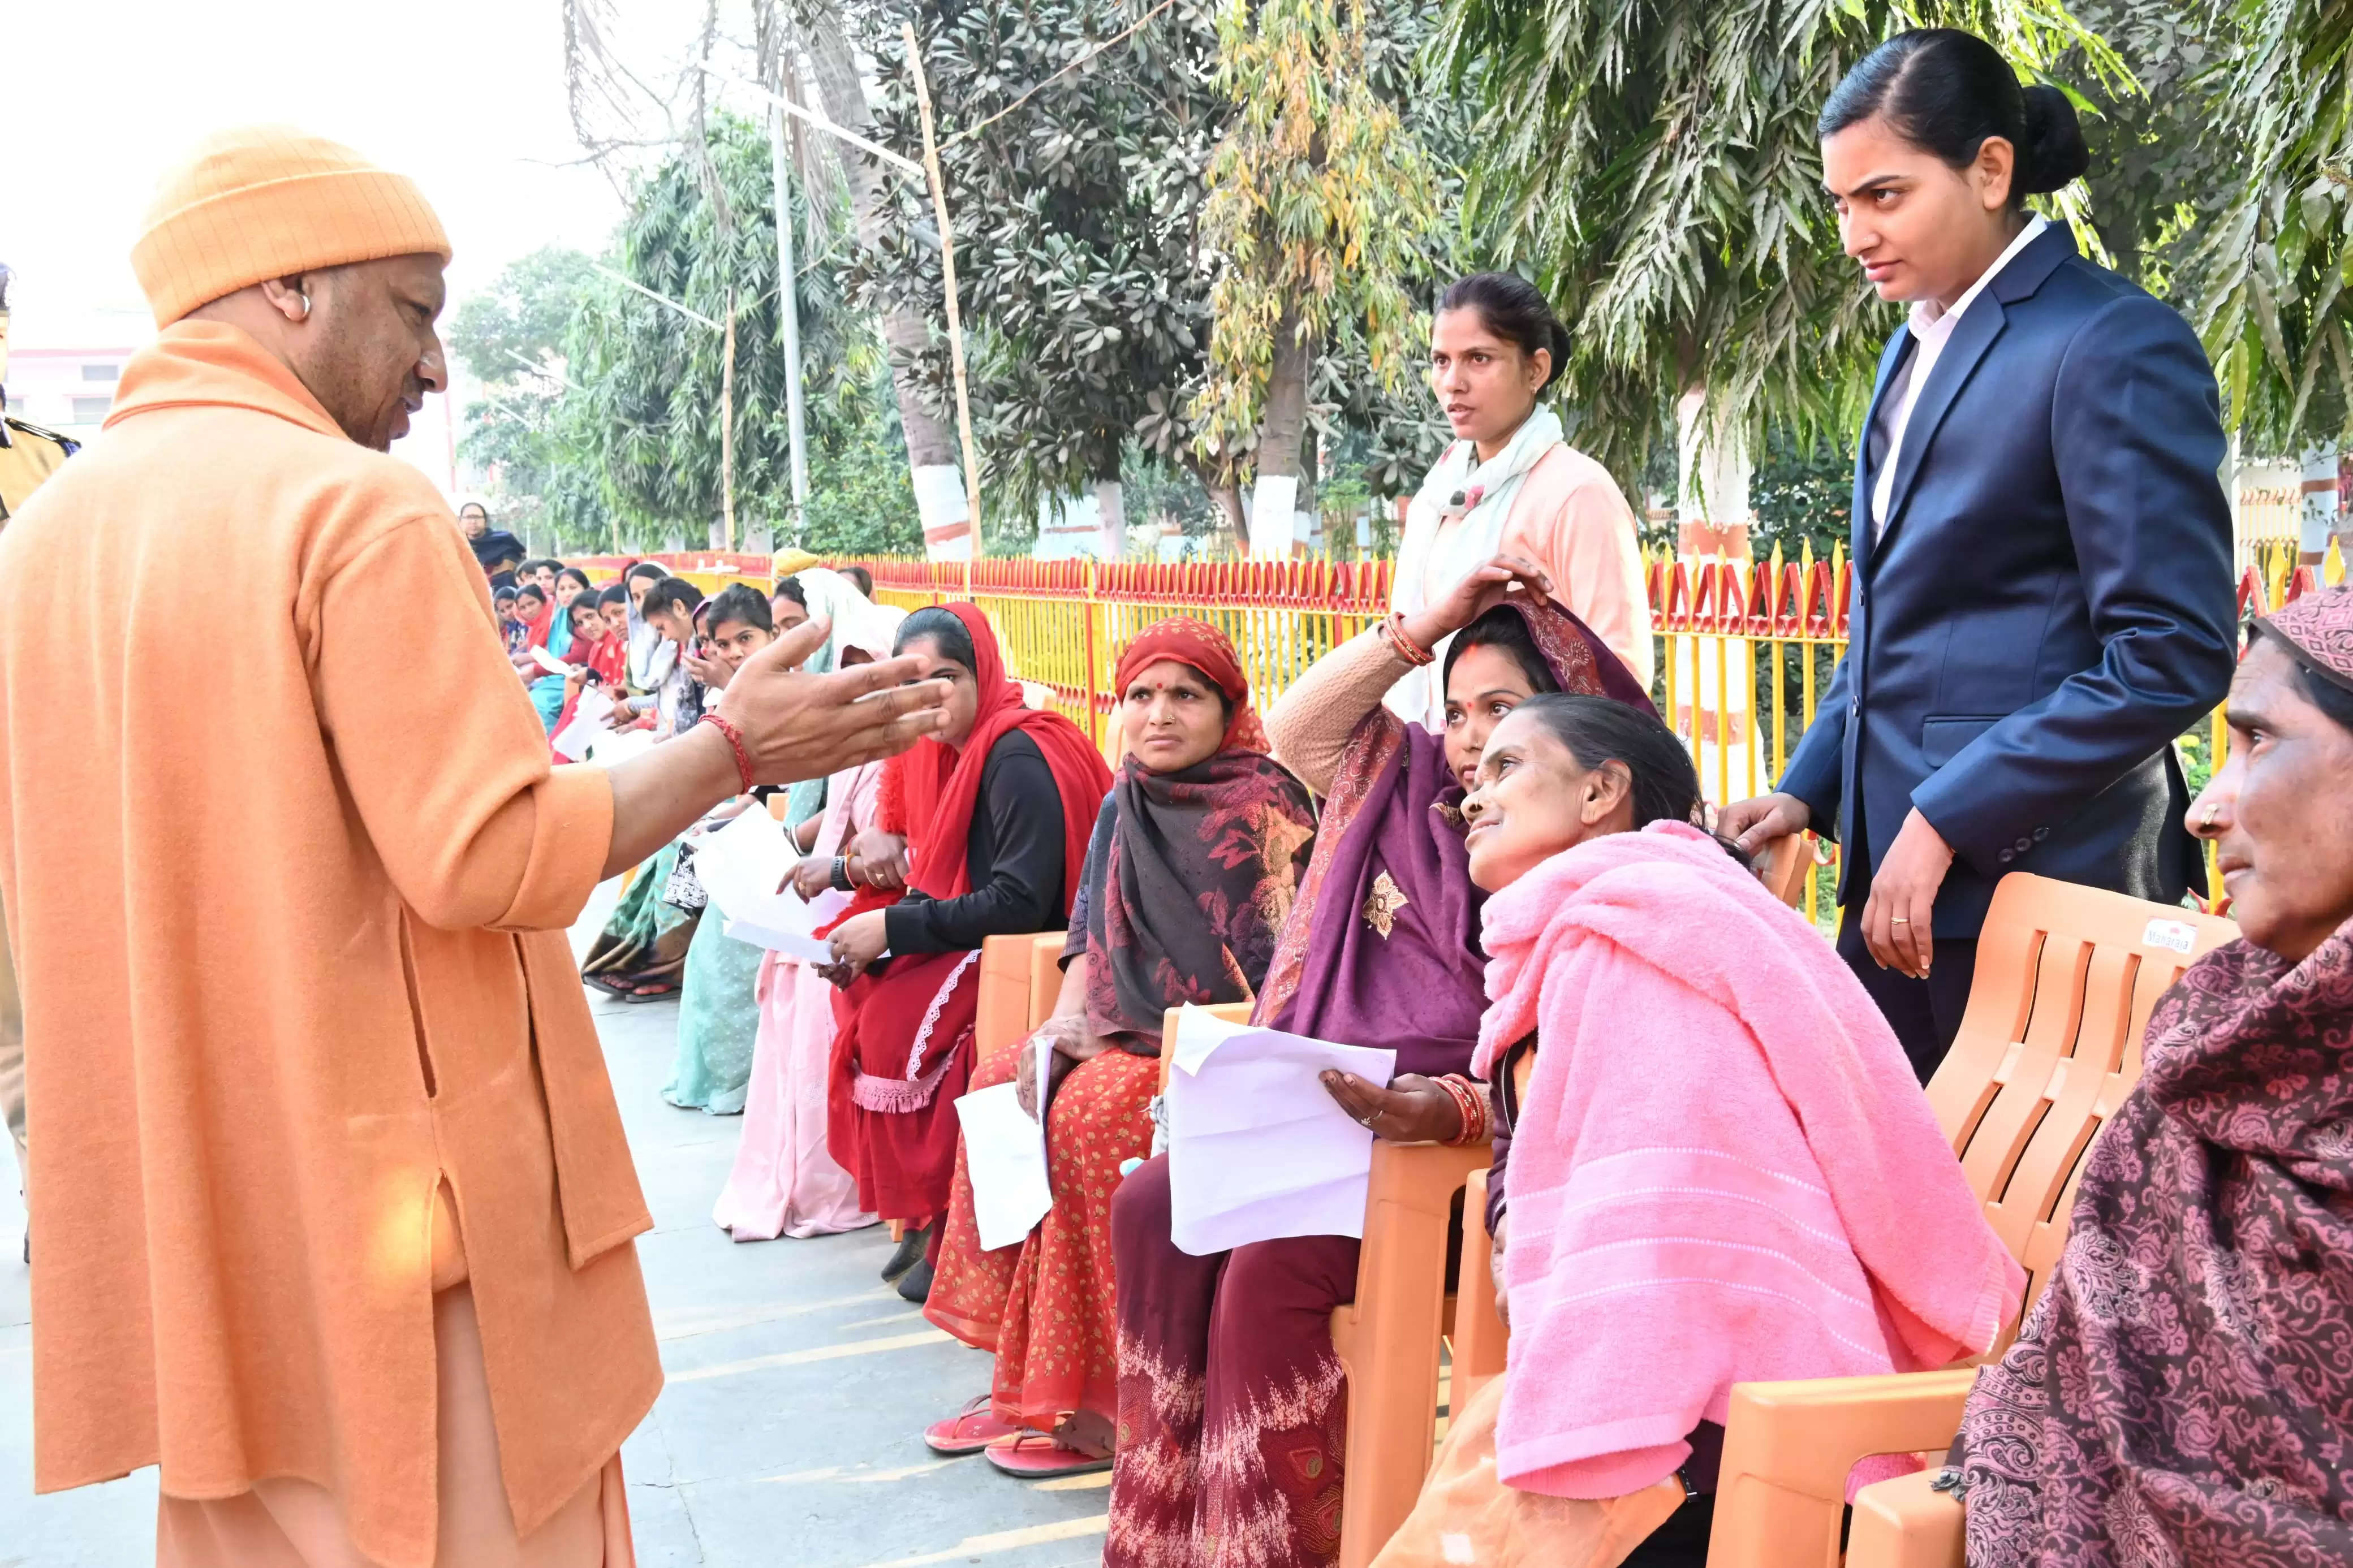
(1047, 1307)
(902, 1055)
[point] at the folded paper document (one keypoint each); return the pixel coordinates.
(1257, 1147)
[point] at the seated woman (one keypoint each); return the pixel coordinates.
(1231, 1408)
(785, 1181)
(1001, 805)
(1721, 1168)
(2183, 1390)
(547, 690)
(1196, 857)
(599, 658)
(718, 1016)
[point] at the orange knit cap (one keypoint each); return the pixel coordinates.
(269, 201)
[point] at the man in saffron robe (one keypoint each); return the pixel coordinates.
(334, 1207)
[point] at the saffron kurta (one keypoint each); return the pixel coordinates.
(288, 959)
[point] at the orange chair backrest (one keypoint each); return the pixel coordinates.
(1789, 862)
(2066, 978)
(1045, 975)
(1003, 1015)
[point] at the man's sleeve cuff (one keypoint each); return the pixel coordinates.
(572, 832)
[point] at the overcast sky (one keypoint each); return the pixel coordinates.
(467, 96)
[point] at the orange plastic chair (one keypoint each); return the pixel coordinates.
(1389, 1338)
(2066, 977)
(1003, 1015)
(1045, 975)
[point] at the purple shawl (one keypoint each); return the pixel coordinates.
(2183, 1391)
(1381, 948)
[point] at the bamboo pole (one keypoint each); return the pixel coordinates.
(789, 314)
(727, 427)
(948, 276)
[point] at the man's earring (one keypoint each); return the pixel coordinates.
(306, 306)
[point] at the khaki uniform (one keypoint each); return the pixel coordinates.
(29, 454)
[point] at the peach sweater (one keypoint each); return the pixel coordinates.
(288, 876)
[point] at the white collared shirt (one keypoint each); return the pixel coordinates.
(1932, 328)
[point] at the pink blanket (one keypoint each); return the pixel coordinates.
(1723, 1170)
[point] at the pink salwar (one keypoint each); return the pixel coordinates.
(786, 1181)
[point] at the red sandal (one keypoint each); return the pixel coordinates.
(1035, 1457)
(970, 1430)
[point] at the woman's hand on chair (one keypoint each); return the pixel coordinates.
(1500, 578)
(1411, 1109)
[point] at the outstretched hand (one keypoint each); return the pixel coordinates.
(1411, 1109)
(799, 726)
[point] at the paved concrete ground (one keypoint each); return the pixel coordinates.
(789, 1433)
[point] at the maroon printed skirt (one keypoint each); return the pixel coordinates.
(1233, 1408)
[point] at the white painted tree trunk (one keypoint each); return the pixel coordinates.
(932, 457)
(1712, 679)
(2320, 510)
(1111, 511)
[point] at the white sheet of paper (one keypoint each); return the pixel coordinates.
(742, 865)
(1257, 1148)
(589, 715)
(611, 746)
(1004, 1151)
(549, 662)
(787, 924)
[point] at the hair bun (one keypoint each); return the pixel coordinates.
(2054, 154)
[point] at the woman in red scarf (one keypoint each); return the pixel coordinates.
(998, 808)
(596, 651)
(1193, 864)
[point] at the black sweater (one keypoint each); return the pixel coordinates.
(1015, 856)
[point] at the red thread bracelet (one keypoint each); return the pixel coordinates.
(735, 740)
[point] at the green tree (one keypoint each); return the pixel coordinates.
(1654, 166)
(2270, 266)
(1321, 211)
(1075, 198)
(510, 336)
(645, 400)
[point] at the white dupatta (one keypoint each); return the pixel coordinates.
(1451, 527)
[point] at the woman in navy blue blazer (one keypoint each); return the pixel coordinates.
(2043, 598)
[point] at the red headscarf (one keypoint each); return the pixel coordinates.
(537, 628)
(939, 787)
(1197, 643)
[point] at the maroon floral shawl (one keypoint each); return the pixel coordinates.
(1202, 869)
(2183, 1392)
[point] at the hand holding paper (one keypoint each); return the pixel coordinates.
(1257, 1149)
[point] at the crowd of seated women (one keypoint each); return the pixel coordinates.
(1711, 1162)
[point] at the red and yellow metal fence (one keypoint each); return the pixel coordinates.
(1743, 648)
